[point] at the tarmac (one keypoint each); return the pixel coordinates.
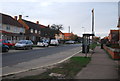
(101, 66)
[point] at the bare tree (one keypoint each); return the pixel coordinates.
(57, 27)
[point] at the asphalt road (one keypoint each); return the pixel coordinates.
(10, 59)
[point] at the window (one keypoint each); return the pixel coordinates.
(35, 31)
(15, 29)
(31, 30)
(22, 30)
(7, 27)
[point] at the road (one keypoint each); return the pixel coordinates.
(34, 58)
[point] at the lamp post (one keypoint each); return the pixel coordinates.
(84, 29)
(68, 29)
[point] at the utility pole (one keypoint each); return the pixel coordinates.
(92, 23)
(84, 30)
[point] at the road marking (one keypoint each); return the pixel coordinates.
(42, 66)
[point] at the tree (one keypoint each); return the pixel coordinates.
(74, 37)
(57, 27)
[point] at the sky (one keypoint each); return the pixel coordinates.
(74, 13)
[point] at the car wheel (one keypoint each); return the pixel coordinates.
(24, 48)
(15, 48)
(31, 47)
(7, 50)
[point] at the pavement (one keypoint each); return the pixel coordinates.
(101, 66)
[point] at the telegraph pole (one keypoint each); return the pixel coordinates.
(92, 23)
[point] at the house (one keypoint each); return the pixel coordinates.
(36, 31)
(32, 30)
(68, 36)
(114, 36)
(11, 29)
(119, 27)
(59, 36)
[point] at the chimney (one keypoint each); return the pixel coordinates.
(37, 22)
(20, 16)
(15, 17)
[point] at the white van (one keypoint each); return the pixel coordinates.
(54, 42)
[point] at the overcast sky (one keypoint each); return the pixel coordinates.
(76, 14)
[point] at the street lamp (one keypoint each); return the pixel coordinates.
(84, 29)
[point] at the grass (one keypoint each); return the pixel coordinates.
(69, 69)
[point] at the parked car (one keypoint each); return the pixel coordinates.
(54, 42)
(70, 42)
(42, 43)
(4, 48)
(24, 44)
(6, 42)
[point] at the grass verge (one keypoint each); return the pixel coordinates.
(69, 69)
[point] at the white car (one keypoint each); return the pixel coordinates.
(54, 42)
(24, 44)
(42, 43)
(70, 42)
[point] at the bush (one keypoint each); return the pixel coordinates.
(113, 45)
(92, 46)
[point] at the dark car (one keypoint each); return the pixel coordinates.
(4, 48)
(6, 42)
(24, 44)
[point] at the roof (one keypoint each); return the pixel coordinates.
(88, 34)
(42, 26)
(32, 25)
(6, 19)
(68, 34)
(114, 30)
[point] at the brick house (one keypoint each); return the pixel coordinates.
(114, 36)
(59, 36)
(68, 36)
(119, 30)
(11, 29)
(36, 31)
(32, 30)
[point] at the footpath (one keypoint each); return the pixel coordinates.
(100, 67)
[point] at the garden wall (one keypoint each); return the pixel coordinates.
(115, 53)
